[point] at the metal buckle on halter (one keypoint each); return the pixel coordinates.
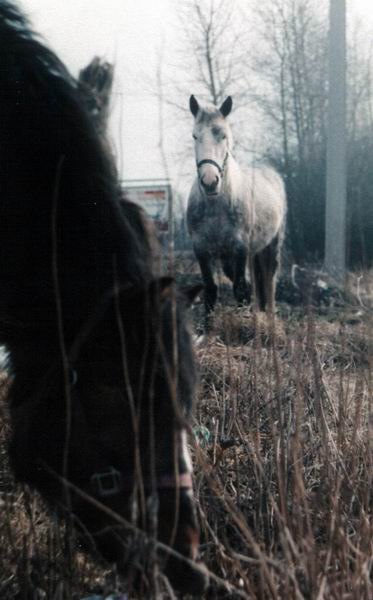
(107, 483)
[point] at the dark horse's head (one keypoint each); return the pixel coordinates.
(103, 376)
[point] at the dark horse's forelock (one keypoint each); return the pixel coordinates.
(87, 325)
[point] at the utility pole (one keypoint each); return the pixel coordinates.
(335, 218)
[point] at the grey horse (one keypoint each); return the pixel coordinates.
(235, 215)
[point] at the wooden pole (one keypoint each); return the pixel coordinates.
(335, 218)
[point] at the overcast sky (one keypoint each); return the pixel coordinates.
(127, 33)
(130, 34)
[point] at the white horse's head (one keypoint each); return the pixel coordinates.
(213, 141)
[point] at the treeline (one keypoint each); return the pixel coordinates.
(273, 61)
(293, 63)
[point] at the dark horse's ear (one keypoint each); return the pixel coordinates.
(193, 105)
(226, 107)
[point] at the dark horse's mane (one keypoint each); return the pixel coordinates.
(59, 197)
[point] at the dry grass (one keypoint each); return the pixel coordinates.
(283, 469)
(286, 498)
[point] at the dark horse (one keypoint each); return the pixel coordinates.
(102, 371)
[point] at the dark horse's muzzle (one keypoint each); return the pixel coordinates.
(181, 566)
(112, 527)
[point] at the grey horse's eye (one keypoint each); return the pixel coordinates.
(218, 133)
(194, 136)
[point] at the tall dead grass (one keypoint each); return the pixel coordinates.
(284, 474)
(282, 449)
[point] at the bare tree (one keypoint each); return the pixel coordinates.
(213, 53)
(290, 62)
(208, 64)
(291, 67)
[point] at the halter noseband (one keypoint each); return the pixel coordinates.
(209, 161)
(112, 481)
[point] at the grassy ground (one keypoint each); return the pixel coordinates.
(282, 451)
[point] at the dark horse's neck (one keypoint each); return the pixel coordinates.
(65, 239)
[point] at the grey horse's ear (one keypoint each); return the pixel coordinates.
(193, 105)
(226, 107)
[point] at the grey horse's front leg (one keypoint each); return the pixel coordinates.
(211, 289)
(241, 287)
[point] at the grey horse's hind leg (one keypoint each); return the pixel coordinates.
(228, 267)
(241, 287)
(211, 289)
(266, 264)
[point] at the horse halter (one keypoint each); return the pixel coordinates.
(112, 482)
(209, 161)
